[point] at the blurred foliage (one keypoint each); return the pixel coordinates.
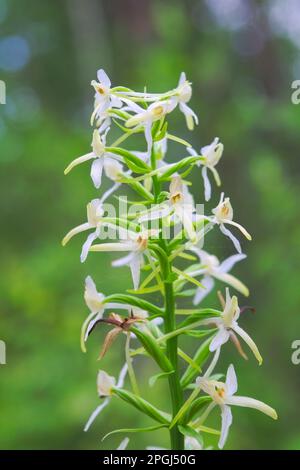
(242, 69)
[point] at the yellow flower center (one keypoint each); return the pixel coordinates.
(176, 197)
(158, 111)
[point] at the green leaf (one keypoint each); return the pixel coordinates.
(129, 156)
(200, 357)
(197, 405)
(137, 187)
(156, 377)
(142, 405)
(186, 293)
(153, 349)
(188, 431)
(200, 333)
(202, 314)
(132, 430)
(135, 302)
(179, 165)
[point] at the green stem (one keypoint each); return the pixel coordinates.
(177, 439)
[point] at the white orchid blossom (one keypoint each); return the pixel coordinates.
(211, 155)
(228, 327)
(179, 207)
(223, 394)
(105, 383)
(96, 303)
(104, 97)
(212, 269)
(94, 217)
(146, 117)
(101, 159)
(136, 244)
(223, 214)
(184, 94)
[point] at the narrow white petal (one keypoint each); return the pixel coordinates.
(233, 282)
(122, 376)
(148, 136)
(125, 260)
(221, 338)
(86, 246)
(226, 423)
(213, 364)
(103, 78)
(208, 284)
(78, 161)
(231, 381)
(242, 333)
(135, 267)
(95, 413)
(75, 231)
(123, 445)
(248, 402)
(207, 185)
(228, 263)
(234, 240)
(241, 229)
(125, 246)
(96, 172)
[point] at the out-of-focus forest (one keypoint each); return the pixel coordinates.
(242, 56)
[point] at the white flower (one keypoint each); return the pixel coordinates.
(101, 158)
(146, 117)
(104, 98)
(136, 244)
(180, 206)
(223, 395)
(104, 386)
(211, 155)
(96, 303)
(227, 325)
(223, 214)
(191, 443)
(94, 216)
(211, 269)
(184, 94)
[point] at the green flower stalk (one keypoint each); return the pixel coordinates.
(160, 228)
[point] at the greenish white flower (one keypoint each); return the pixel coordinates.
(212, 269)
(211, 156)
(223, 214)
(227, 325)
(223, 395)
(184, 94)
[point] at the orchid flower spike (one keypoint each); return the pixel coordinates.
(228, 327)
(146, 117)
(105, 385)
(184, 94)
(223, 214)
(212, 269)
(104, 97)
(136, 244)
(223, 395)
(211, 156)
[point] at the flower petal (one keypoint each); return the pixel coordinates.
(95, 413)
(234, 240)
(226, 423)
(87, 245)
(207, 185)
(248, 402)
(242, 333)
(231, 381)
(74, 231)
(228, 263)
(208, 284)
(103, 78)
(96, 172)
(78, 161)
(221, 338)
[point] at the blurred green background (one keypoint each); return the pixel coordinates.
(241, 57)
